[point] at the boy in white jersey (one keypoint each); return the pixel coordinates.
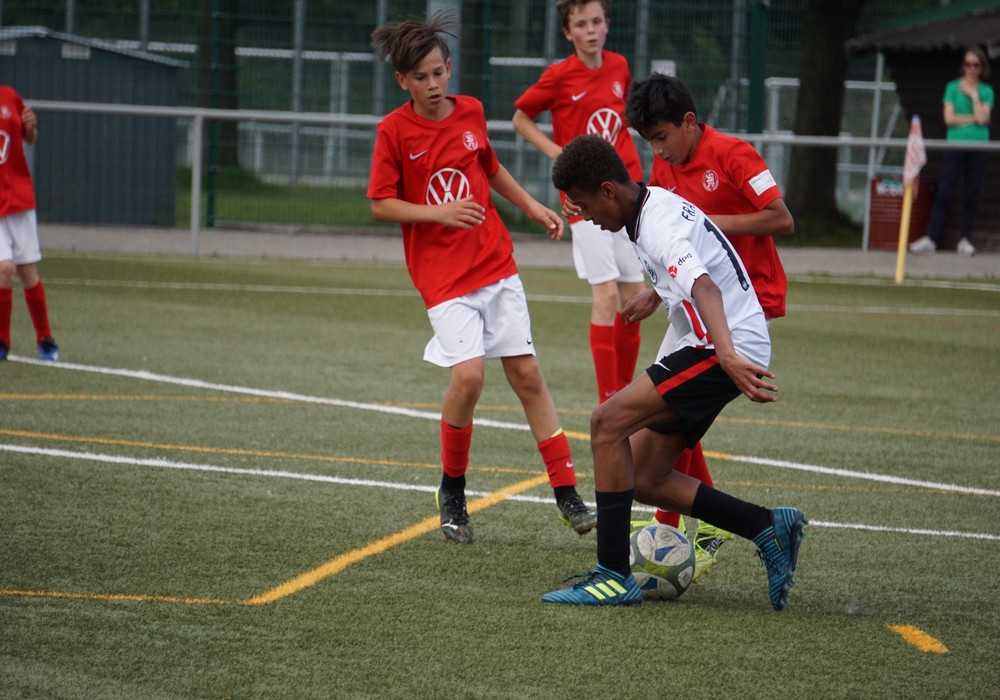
(722, 351)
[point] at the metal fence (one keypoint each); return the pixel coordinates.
(347, 139)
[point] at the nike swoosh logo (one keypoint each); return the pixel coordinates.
(577, 97)
(414, 156)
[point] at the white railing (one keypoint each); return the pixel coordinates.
(196, 118)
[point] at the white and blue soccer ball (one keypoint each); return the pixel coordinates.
(662, 561)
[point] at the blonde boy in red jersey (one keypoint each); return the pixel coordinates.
(19, 248)
(432, 172)
(727, 179)
(586, 95)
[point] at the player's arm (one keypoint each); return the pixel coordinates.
(30, 123)
(747, 376)
(462, 213)
(529, 131)
(506, 186)
(772, 220)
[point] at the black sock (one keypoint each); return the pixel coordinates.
(452, 483)
(614, 513)
(563, 492)
(729, 513)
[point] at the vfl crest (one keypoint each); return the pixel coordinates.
(710, 180)
(4, 146)
(4, 112)
(617, 89)
(606, 123)
(447, 185)
(652, 273)
(470, 141)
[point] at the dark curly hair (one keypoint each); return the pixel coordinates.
(586, 162)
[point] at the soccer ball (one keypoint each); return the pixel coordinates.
(662, 561)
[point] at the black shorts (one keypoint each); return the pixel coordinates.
(692, 383)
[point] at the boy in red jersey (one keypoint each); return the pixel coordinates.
(727, 179)
(19, 249)
(586, 95)
(432, 171)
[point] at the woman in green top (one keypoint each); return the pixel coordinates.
(968, 105)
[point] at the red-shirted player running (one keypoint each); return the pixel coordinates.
(586, 95)
(727, 179)
(19, 249)
(432, 171)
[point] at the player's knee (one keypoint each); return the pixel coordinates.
(7, 271)
(603, 427)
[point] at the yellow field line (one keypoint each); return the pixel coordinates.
(115, 597)
(338, 564)
(920, 639)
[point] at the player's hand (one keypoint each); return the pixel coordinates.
(569, 209)
(462, 213)
(641, 306)
(29, 119)
(749, 378)
(547, 218)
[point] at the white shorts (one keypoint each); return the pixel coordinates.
(490, 322)
(19, 238)
(602, 256)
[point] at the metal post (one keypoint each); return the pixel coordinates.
(876, 109)
(197, 128)
(144, 25)
(641, 65)
(298, 40)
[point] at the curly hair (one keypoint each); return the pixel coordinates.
(658, 98)
(586, 162)
(405, 44)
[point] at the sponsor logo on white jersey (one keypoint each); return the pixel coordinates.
(606, 123)
(447, 185)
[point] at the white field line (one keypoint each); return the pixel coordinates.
(343, 481)
(434, 416)
(561, 299)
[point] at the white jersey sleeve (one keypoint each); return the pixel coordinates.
(677, 244)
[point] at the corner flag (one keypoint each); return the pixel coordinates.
(916, 157)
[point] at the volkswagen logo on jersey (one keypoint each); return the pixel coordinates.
(470, 141)
(447, 185)
(606, 123)
(710, 180)
(4, 146)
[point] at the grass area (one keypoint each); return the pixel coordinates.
(218, 429)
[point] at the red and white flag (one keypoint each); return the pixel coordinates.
(916, 155)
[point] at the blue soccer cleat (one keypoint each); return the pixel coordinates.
(778, 549)
(600, 587)
(3, 351)
(48, 350)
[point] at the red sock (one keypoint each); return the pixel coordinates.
(602, 347)
(37, 309)
(691, 462)
(627, 340)
(558, 460)
(6, 306)
(697, 467)
(455, 443)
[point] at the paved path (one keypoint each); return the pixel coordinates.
(363, 244)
